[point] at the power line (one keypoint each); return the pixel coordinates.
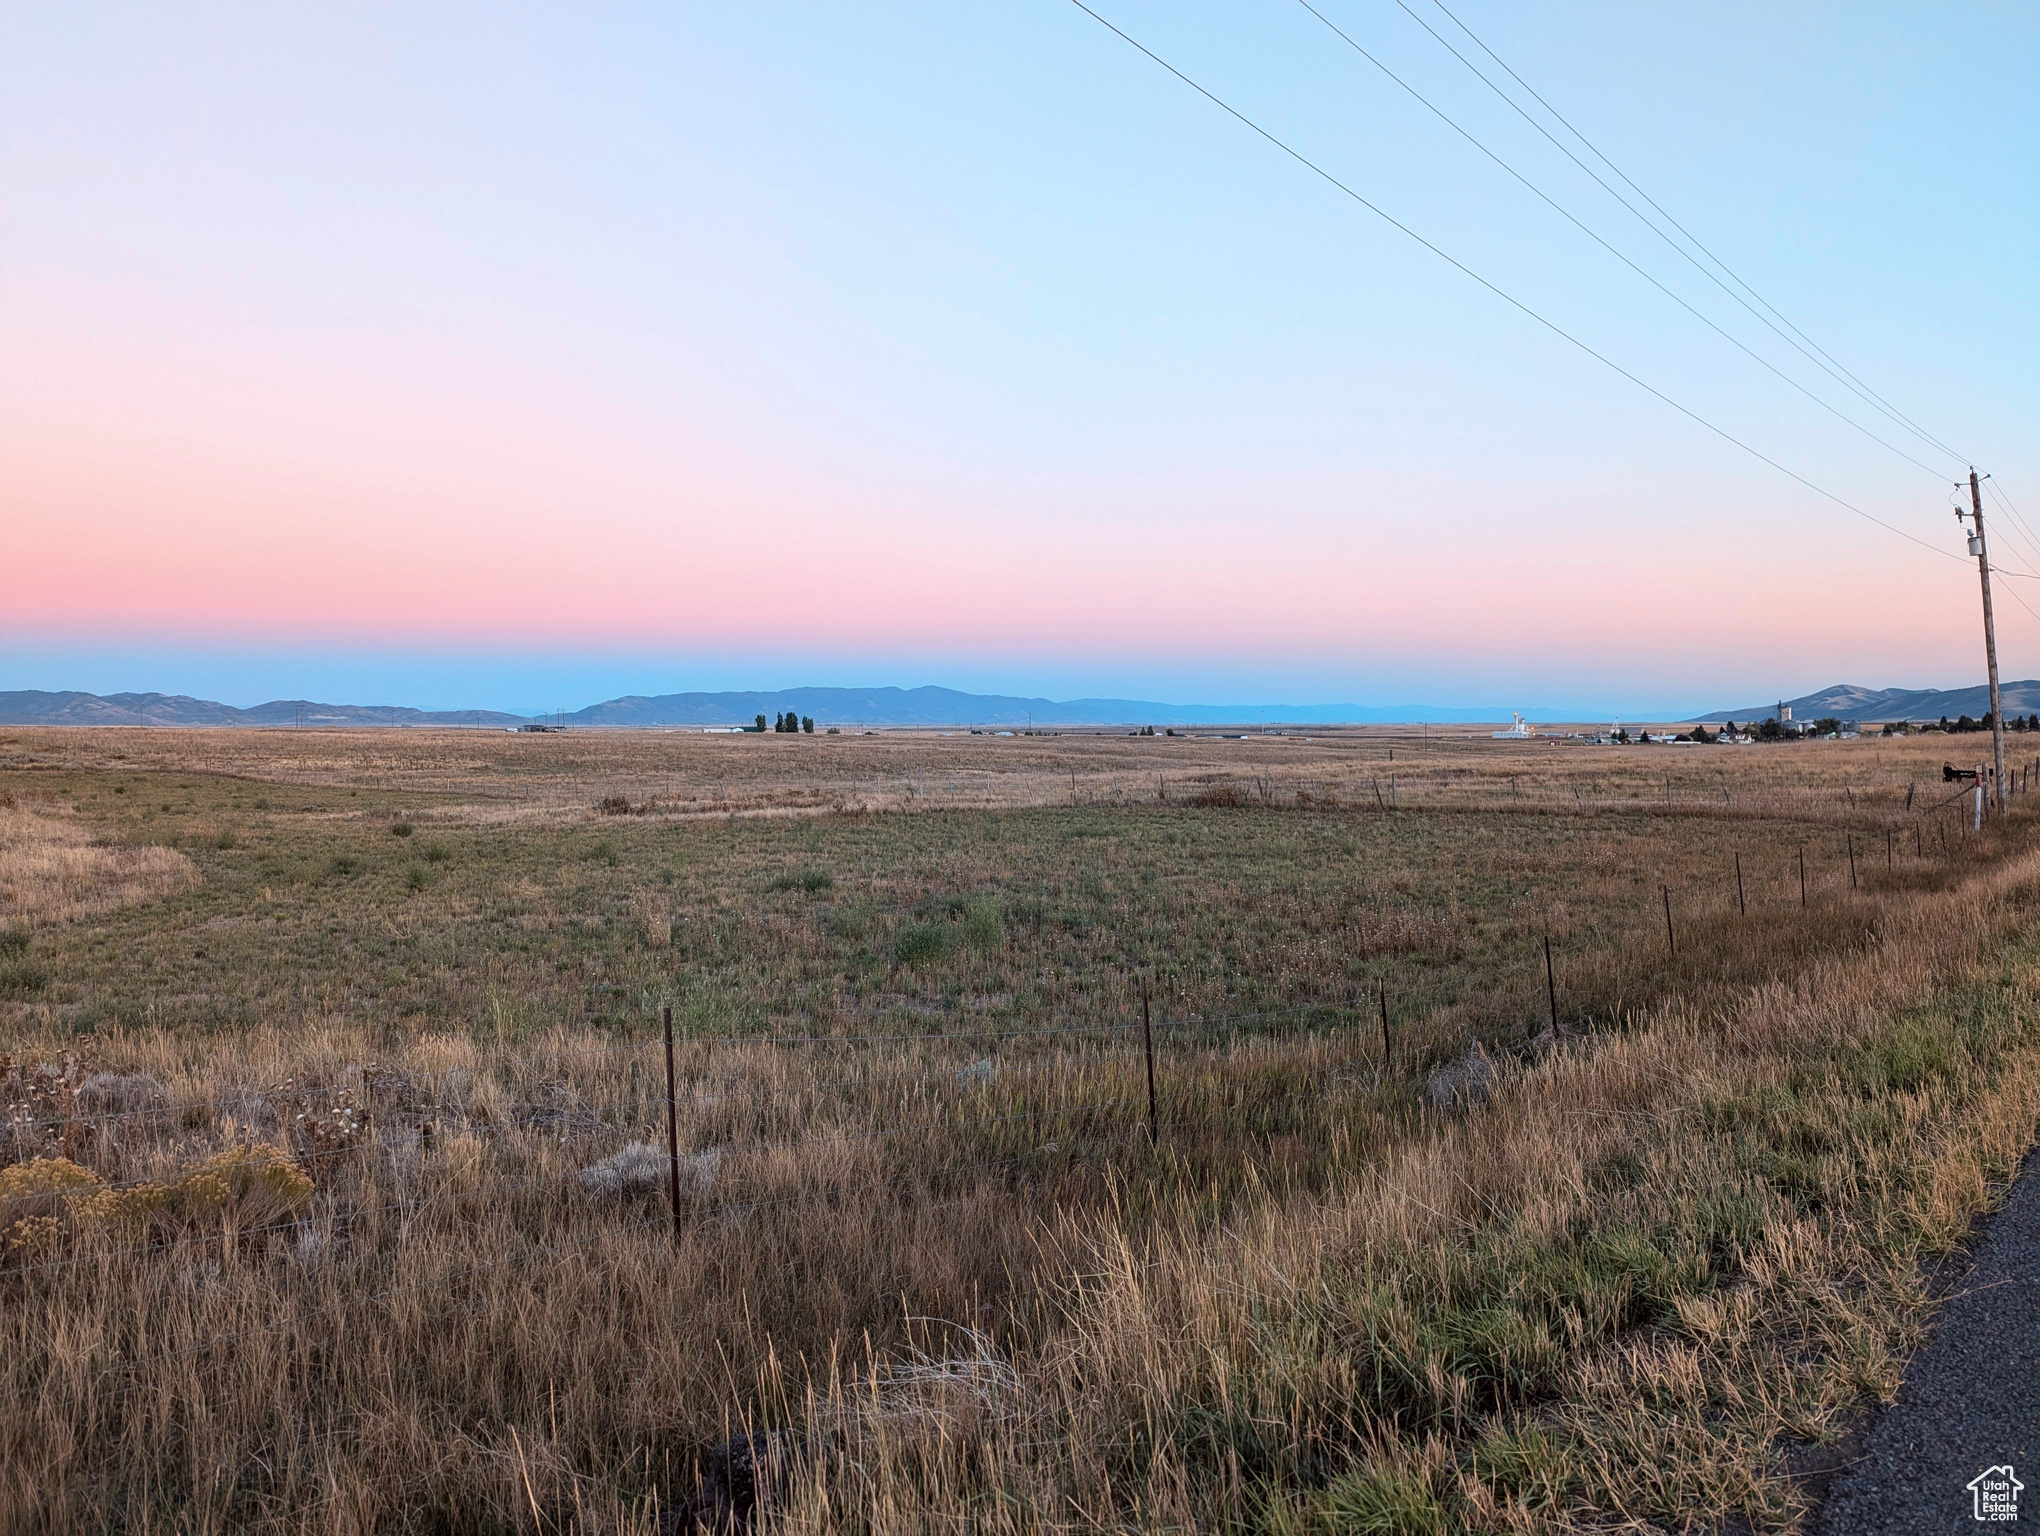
(2025, 548)
(2012, 529)
(1833, 369)
(2013, 592)
(1557, 330)
(2018, 520)
(1570, 218)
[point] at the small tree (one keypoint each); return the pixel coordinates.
(760, 726)
(807, 724)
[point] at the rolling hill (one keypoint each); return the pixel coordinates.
(1847, 701)
(31, 706)
(909, 707)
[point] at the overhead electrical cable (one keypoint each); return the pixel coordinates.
(2022, 545)
(2006, 535)
(1569, 128)
(2012, 512)
(1805, 349)
(1570, 218)
(1515, 303)
(2012, 531)
(2013, 593)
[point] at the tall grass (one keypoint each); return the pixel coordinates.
(939, 1262)
(53, 869)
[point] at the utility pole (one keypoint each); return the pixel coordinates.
(1981, 550)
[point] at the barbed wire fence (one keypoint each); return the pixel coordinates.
(404, 1112)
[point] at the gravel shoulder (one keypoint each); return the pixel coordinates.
(1970, 1400)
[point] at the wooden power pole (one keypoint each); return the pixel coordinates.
(1981, 550)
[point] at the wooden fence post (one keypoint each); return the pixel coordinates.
(1802, 874)
(672, 1129)
(1551, 986)
(1741, 905)
(1671, 943)
(1852, 859)
(1147, 1035)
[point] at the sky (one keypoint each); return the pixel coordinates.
(520, 357)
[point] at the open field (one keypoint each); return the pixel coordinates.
(499, 776)
(320, 1084)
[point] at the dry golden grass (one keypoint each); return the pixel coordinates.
(515, 778)
(55, 870)
(943, 1263)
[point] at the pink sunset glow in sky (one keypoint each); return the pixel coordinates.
(768, 347)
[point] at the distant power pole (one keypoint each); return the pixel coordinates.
(1981, 550)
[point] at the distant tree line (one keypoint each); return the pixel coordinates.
(788, 724)
(1771, 729)
(1963, 723)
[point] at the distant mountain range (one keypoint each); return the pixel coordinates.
(932, 707)
(34, 707)
(1846, 701)
(946, 706)
(826, 706)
